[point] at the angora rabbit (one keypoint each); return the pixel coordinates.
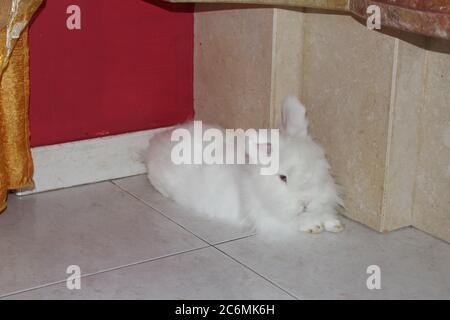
(301, 196)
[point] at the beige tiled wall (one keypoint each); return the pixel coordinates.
(232, 61)
(402, 148)
(287, 58)
(347, 93)
(378, 101)
(431, 211)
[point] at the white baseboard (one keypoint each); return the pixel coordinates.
(88, 161)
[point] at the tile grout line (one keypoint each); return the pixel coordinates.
(207, 245)
(257, 273)
(231, 240)
(101, 271)
(177, 223)
(160, 212)
(211, 244)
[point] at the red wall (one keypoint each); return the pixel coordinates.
(129, 68)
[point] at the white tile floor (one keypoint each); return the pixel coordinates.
(131, 243)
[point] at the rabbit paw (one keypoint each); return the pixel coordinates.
(333, 225)
(311, 226)
(317, 225)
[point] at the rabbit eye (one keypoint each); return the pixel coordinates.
(283, 178)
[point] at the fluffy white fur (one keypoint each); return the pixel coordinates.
(307, 201)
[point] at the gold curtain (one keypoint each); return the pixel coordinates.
(16, 166)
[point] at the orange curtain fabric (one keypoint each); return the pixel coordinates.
(16, 166)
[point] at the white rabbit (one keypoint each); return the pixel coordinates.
(301, 196)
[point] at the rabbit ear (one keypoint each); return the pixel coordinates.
(294, 121)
